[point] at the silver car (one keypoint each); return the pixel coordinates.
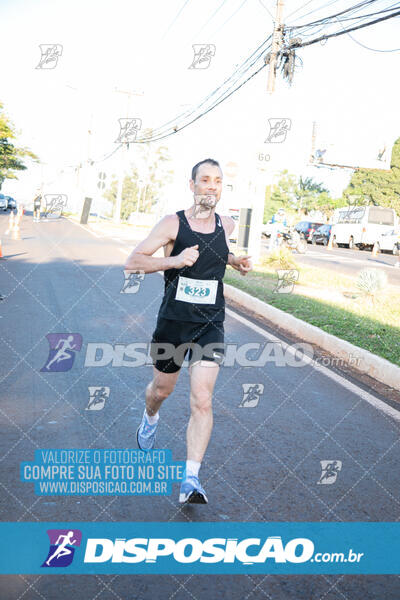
(3, 202)
(387, 242)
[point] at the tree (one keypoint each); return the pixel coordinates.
(302, 195)
(280, 195)
(10, 155)
(307, 193)
(376, 186)
(141, 194)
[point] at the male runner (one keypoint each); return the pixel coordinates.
(36, 206)
(196, 253)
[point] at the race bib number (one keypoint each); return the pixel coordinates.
(196, 291)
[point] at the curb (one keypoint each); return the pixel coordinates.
(376, 367)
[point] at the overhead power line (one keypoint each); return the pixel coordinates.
(211, 17)
(228, 19)
(336, 34)
(287, 65)
(174, 19)
(267, 9)
(367, 47)
(249, 68)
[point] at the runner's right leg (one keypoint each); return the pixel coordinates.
(157, 391)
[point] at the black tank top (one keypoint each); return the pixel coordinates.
(210, 265)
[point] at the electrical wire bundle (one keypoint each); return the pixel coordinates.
(286, 57)
(293, 38)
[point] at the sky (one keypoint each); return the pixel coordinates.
(146, 48)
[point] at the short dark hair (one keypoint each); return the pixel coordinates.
(209, 161)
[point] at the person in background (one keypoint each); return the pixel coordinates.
(278, 223)
(37, 202)
(397, 263)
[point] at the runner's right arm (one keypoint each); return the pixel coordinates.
(165, 231)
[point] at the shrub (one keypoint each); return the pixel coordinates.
(371, 282)
(280, 257)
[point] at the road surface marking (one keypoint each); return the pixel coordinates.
(85, 228)
(352, 387)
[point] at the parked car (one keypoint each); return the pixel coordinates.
(11, 203)
(321, 235)
(387, 242)
(361, 226)
(307, 228)
(3, 202)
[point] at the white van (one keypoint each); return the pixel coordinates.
(360, 226)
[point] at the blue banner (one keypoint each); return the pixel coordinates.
(213, 548)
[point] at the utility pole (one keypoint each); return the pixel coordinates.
(277, 38)
(124, 159)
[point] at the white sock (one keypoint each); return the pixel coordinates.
(151, 419)
(192, 468)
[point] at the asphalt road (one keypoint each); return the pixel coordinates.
(346, 261)
(262, 464)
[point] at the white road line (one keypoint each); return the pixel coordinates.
(85, 228)
(352, 387)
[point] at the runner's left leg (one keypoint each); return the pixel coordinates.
(203, 375)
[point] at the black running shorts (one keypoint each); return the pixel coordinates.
(173, 339)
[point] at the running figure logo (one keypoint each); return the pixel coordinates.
(330, 470)
(203, 54)
(128, 130)
(286, 280)
(50, 55)
(278, 129)
(62, 351)
(55, 203)
(98, 396)
(132, 282)
(61, 551)
(251, 394)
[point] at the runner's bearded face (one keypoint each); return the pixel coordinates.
(206, 190)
